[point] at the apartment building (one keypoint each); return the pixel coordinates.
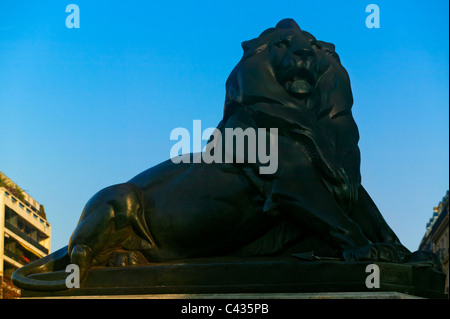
(25, 233)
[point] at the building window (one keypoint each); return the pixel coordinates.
(20, 226)
(6, 194)
(13, 199)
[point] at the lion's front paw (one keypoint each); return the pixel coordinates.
(425, 259)
(374, 252)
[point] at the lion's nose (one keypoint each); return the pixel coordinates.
(305, 58)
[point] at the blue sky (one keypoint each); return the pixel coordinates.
(82, 109)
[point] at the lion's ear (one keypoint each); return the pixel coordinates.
(245, 46)
(327, 45)
(251, 47)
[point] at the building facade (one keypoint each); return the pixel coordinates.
(436, 238)
(25, 233)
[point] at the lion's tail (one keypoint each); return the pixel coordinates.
(53, 262)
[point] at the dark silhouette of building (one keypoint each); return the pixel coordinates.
(436, 238)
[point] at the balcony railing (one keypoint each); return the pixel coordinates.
(22, 235)
(20, 259)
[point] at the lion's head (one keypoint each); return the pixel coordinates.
(289, 66)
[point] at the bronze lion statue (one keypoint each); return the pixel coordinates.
(314, 201)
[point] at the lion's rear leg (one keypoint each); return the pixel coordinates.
(111, 222)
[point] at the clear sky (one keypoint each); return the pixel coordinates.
(82, 109)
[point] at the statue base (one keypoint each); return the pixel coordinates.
(268, 276)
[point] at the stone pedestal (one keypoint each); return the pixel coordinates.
(259, 278)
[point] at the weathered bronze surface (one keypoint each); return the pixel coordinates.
(314, 202)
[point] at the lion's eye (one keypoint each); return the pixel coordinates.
(282, 44)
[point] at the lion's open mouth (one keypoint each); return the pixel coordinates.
(301, 85)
